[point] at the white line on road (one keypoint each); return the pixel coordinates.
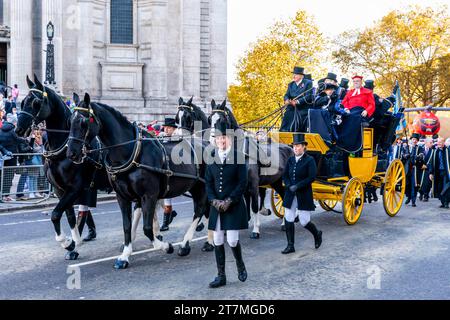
(43, 220)
(133, 254)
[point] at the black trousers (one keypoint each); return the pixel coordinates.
(440, 181)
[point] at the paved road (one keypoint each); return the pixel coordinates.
(379, 258)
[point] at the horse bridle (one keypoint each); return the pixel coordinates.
(35, 118)
(189, 109)
(84, 142)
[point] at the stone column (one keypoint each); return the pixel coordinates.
(218, 62)
(191, 48)
(21, 43)
(85, 49)
(52, 10)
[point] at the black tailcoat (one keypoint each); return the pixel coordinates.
(305, 102)
(228, 180)
(301, 173)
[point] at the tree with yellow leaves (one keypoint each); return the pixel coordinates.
(265, 70)
(412, 47)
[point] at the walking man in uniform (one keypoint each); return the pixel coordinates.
(169, 214)
(299, 175)
(226, 182)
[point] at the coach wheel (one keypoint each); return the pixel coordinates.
(277, 204)
(328, 205)
(394, 188)
(353, 201)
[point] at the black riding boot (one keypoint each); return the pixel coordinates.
(91, 225)
(168, 218)
(221, 279)
(290, 235)
(237, 253)
(81, 221)
(316, 233)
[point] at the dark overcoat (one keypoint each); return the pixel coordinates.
(305, 102)
(301, 173)
(228, 180)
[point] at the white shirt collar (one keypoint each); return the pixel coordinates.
(357, 92)
(297, 158)
(223, 154)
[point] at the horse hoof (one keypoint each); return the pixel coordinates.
(254, 235)
(122, 247)
(72, 255)
(170, 249)
(207, 247)
(121, 265)
(200, 227)
(269, 212)
(160, 237)
(71, 247)
(183, 252)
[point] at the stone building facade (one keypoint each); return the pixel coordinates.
(137, 55)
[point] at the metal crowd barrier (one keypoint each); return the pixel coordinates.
(24, 183)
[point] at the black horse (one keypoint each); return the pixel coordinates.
(259, 175)
(73, 184)
(191, 120)
(142, 168)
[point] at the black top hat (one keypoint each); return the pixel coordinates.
(308, 77)
(299, 70)
(170, 122)
(331, 76)
(416, 136)
(369, 84)
(344, 83)
(299, 139)
(330, 86)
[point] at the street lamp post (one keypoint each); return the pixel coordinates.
(50, 62)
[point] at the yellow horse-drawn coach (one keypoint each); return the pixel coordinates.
(364, 171)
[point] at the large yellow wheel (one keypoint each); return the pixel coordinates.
(328, 205)
(277, 204)
(394, 188)
(353, 201)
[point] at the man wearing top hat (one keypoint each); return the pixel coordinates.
(440, 173)
(169, 214)
(298, 99)
(412, 177)
(298, 200)
(226, 183)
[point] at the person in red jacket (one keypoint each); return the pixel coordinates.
(360, 99)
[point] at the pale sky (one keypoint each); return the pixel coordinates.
(250, 19)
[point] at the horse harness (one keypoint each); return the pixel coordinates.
(133, 162)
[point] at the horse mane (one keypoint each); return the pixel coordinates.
(120, 117)
(199, 113)
(234, 122)
(53, 94)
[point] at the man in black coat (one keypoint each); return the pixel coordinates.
(298, 177)
(440, 173)
(298, 99)
(424, 175)
(226, 182)
(412, 175)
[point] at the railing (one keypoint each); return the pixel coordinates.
(23, 183)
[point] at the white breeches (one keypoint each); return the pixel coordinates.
(219, 236)
(83, 208)
(291, 213)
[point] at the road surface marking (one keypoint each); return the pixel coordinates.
(37, 211)
(133, 254)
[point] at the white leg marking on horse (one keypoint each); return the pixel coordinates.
(63, 240)
(190, 233)
(256, 222)
(136, 218)
(76, 237)
(156, 230)
(126, 253)
(160, 245)
(264, 211)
